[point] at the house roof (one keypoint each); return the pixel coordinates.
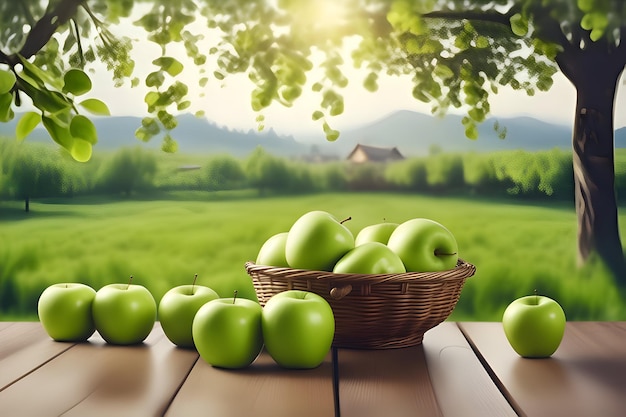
(376, 153)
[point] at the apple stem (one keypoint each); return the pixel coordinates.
(536, 300)
(129, 281)
(437, 253)
(193, 284)
(345, 220)
(234, 296)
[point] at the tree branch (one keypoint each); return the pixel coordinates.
(47, 25)
(489, 16)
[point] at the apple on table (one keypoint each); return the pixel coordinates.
(227, 332)
(298, 328)
(534, 325)
(177, 309)
(65, 311)
(124, 314)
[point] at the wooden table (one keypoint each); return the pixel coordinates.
(461, 369)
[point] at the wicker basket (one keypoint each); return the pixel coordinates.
(378, 311)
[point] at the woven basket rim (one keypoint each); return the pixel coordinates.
(462, 270)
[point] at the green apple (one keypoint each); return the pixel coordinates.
(375, 233)
(370, 258)
(227, 332)
(298, 328)
(534, 326)
(124, 314)
(424, 245)
(65, 311)
(316, 241)
(177, 308)
(272, 252)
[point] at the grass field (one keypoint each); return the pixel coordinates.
(517, 247)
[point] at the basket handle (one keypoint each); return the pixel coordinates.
(338, 293)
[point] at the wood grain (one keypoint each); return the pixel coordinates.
(262, 390)
(97, 379)
(586, 376)
(25, 346)
(388, 382)
(462, 386)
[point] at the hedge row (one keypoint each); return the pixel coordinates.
(31, 171)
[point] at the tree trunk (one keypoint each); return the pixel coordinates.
(26, 204)
(594, 168)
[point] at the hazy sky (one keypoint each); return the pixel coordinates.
(227, 102)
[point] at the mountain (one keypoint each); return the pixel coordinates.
(414, 133)
(411, 132)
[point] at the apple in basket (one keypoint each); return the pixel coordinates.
(424, 245)
(370, 258)
(272, 252)
(316, 241)
(375, 233)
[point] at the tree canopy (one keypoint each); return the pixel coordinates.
(458, 53)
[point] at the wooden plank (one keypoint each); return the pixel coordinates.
(25, 346)
(389, 382)
(5, 324)
(462, 386)
(584, 377)
(97, 379)
(262, 390)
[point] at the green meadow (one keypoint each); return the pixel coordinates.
(517, 246)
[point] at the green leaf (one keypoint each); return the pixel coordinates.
(471, 131)
(59, 132)
(95, 106)
(27, 123)
(83, 128)
(170, 65)
(331, 134)
(183, 105)
(482, 42)
(443, 71)
(76, 82)
(155, 79)
(169, 145)
(519, 24)
(40, 76)
(585, 5)
(48, 101)
(81, 150)
(371, 82)
(6, 112)
(317, 115)
(7, 81)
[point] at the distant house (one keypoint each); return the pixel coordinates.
(366, 153)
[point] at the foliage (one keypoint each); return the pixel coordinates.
(457, 53)
(127, 171)
(224, 173)
(521, 174)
